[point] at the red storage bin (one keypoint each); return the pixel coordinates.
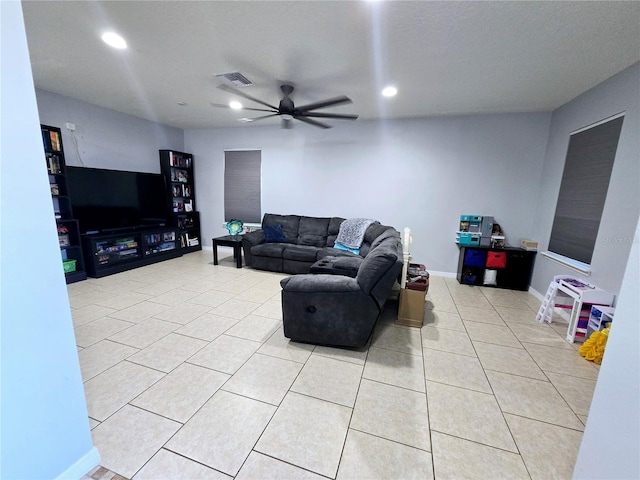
(496, 259)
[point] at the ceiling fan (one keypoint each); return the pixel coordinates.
(288, 111)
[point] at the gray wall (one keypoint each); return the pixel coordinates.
(106, 138)
(622, 207)
(421, 173)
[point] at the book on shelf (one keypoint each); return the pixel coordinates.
(55, 141)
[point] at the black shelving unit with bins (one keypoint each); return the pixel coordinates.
(67, 226)
(179, 173)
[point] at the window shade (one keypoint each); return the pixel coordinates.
(583, 190)
(242, 172)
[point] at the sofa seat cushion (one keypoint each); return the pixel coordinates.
(334, 252)
(337, 266)
(269, 249)
(300, 253)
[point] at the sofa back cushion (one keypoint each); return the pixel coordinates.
(374, 235)
(374, 267)
(289, 224)
(313, 231)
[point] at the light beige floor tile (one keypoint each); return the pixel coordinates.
(357, 356)
(307, 432)
(443, 319)
(395, 368)
(166, 464)
(176, 297)
(223, 432)
(111, 390)
(328, 379)
(455, 458)
(158, 288)
(182, 392)
(183, 314)
(280, 346)
(93, 423)
(201, 286)
(101, 356)
(481, 315)
(254, 327)
(561, 360)
(99, 329)
(207, 327)
(577, 392)
(548, 451)
(129, 438)
(235, 308)
(393, 413)
(264, 378)
(447, 341)
(474, 301)
(211, 298)
(453, 369)
(256, 295)
(506, 301)
(441, 305)
(508, 360)
(517, 315)
(122, 300)
(532, 399)
(467, 414)
(168, 352)
(397, 338)
(496, 334)
(225, 354)
(259, 466)
(144, 333)
(139, 312)
(89, 313)
(391, 459)
(270, 309)
(122, 286)
(539, 333)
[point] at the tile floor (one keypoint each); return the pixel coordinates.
(188, 375)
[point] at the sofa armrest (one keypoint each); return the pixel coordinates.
(319, 283)
(253, 238)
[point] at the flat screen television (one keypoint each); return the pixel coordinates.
(106, 201)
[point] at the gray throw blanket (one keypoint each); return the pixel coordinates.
(351, 233)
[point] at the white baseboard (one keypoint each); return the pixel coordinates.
(442, 274)
(82, 466)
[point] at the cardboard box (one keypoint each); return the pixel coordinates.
(411, 308)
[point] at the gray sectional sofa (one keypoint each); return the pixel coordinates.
(335, 296)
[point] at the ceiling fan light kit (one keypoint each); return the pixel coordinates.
(287, 110)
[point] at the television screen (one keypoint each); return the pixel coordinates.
(104, 200)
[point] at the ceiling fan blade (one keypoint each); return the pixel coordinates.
(222, 105)
(341, 100)
(244, 95)
(264, 116)
(329, 115)
(312, 122)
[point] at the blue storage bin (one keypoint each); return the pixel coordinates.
(475, 258)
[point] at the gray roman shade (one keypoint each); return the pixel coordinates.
(242, 172)
(583, 190)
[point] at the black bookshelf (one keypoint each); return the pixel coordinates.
(67, 226)
(179, 173)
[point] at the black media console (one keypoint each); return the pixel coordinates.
(108, 253)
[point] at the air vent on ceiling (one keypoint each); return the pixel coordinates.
(235, 79)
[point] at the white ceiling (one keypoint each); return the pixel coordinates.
(444, 57)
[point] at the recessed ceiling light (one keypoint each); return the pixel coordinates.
(114, 40)
(235, 105)
(389, 91)
(245, 120)
(182, 104)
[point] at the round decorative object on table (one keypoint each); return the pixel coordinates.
(235, 227)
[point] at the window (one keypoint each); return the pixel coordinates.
(242, 185)
(583, 191)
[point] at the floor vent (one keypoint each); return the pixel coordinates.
(235, 79)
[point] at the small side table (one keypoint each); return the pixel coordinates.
(234, 241)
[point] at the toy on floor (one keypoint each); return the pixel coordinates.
(593, 348)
